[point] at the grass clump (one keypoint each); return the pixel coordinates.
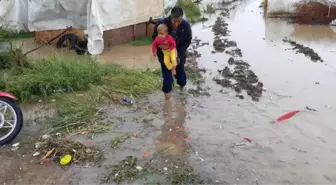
(80, 113)
(118, 140)
(49, 76)
(124, 170)
(191, 10)
(143, 41)
(58, 75)
(7, 34)
(5, 60)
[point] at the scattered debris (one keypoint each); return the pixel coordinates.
(239, 145)
(310, 109)
(124, 170)
(247, 139)
(16, 145)
(127, 100)
(302, 151)
(139, 168)
(56, 147)
(199, 91)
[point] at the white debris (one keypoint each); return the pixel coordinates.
(139, 168)
(36, 154)
(45, 136)
(165, 168)
(16, 145)
(37, 145)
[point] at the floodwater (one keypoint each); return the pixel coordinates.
(127, 55)
(211, 130)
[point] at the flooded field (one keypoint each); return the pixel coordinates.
(229, 137)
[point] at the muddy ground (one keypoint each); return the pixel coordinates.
(214, 133)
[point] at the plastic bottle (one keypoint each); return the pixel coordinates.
(128, 100)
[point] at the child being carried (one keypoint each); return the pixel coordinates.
(169, 54)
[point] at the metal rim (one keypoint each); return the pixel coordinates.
(4, 123)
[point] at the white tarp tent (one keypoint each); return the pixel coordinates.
(94, 16)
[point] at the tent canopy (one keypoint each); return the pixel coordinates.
(94, 16)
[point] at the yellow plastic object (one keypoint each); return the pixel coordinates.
(65, 159)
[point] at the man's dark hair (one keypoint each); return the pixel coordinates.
(177, 12)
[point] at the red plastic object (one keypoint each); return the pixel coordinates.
(287, 116)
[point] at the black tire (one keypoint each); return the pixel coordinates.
(72, 38)
(19, 119)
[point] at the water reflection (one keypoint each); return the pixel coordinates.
(173, 136)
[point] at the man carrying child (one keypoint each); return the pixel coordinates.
(180, 30)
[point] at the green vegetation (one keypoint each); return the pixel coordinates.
(5, 60)
(7, 35)
(78, 85)
(118, 140)
(124, 170)
(191, 9)
(59, 75)
(143, 41)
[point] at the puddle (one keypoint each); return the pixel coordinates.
(296, 151)
(127, 55)
(130, 56)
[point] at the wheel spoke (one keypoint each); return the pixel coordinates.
(10, 125)
(4, 109)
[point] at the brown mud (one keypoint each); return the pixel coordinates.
(241, 77)
(299, 48)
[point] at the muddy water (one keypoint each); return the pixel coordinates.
(130, 56)
(297, 151)
(127, 55)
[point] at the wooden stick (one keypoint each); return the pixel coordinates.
(48, 154)
(48, 41)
